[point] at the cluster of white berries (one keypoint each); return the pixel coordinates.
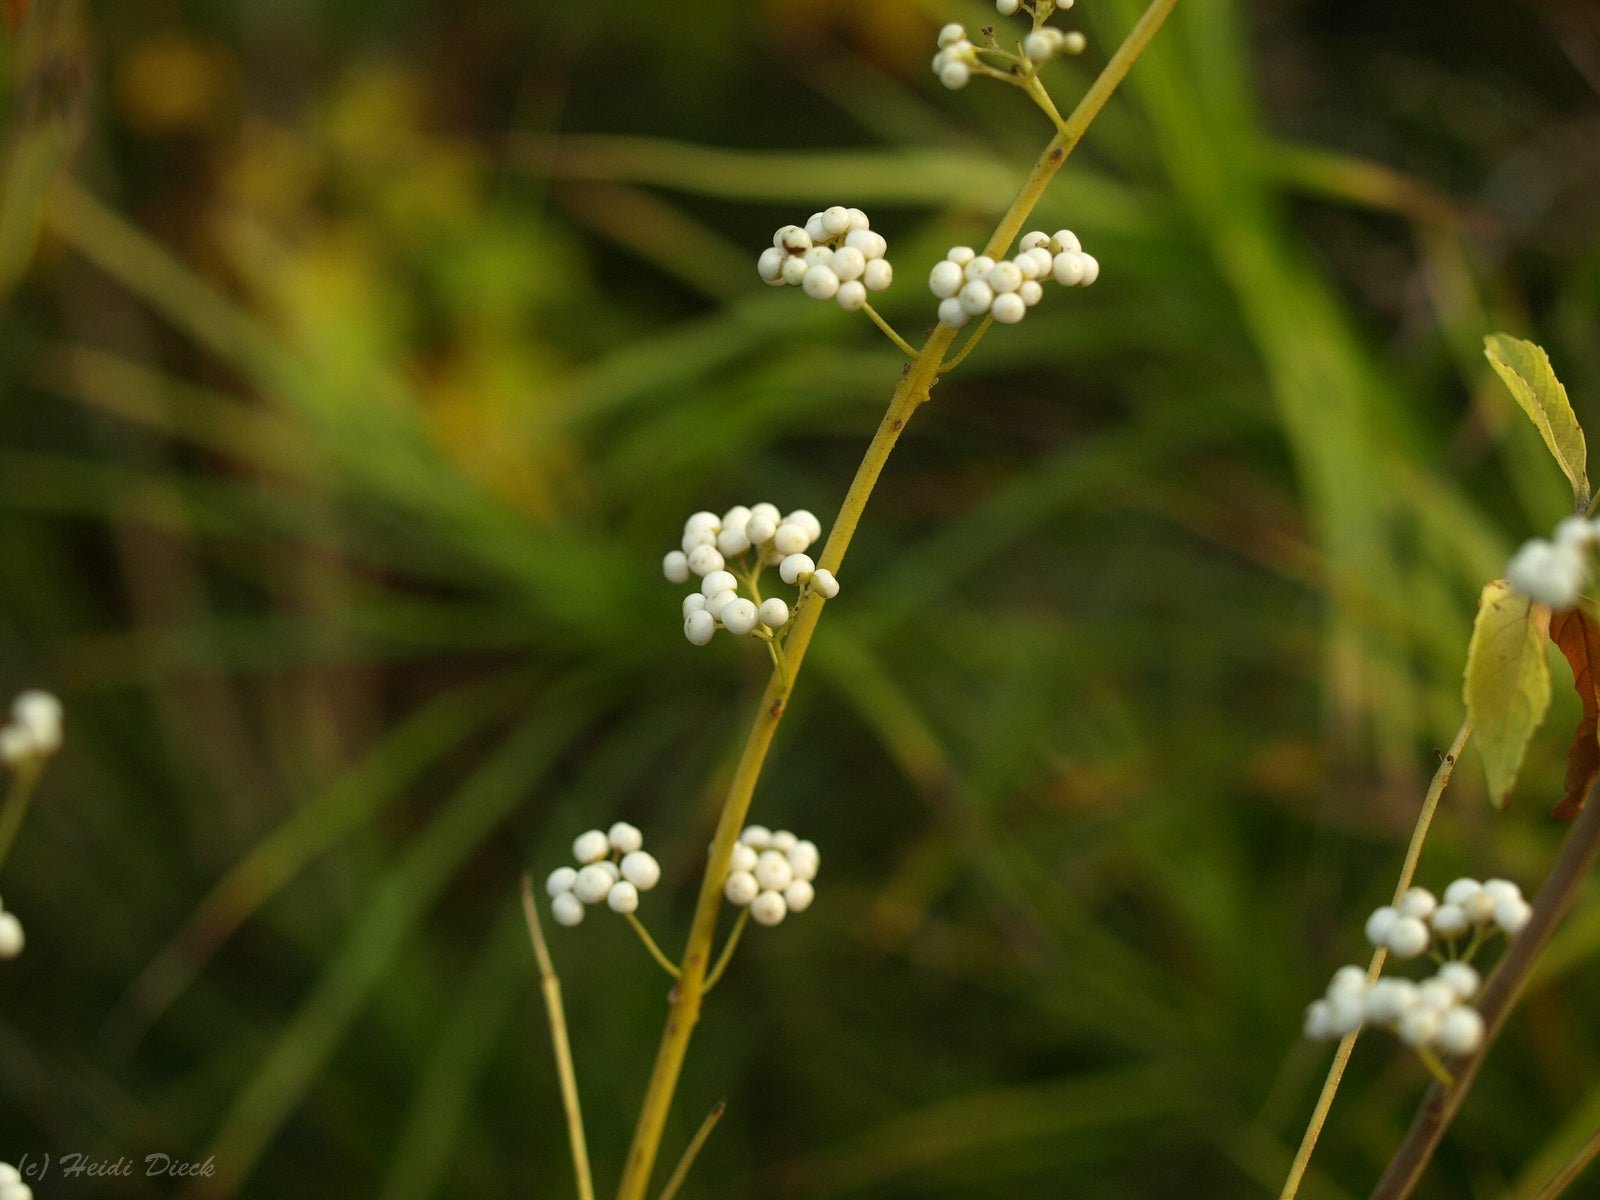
(970, 284)
(836, 256)
(1435, 1014)
(771, 873)
(612, 868)
(11, 937)
(1554, 571)
(747, 539)
(958, 55)
(34, 731)
(1407, 927)
(11, 1185)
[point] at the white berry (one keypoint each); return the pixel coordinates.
(768, 908)
(640, 868)
(592, 884)
(560, 880)
(590, 846)
(741, 888)
(567, 909)
(675, 566)
(774, 613)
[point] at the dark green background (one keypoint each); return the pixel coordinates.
(358, 383)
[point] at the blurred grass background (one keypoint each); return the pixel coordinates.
(360, 360)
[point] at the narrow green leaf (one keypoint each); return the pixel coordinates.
(1526, 370)
(1507, 688)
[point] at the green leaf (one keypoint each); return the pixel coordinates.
(1507, 687)
(1526, 370)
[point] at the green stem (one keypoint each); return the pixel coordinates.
(667, 965)
(1341, 1057)
(726, 956)
(972, 342)
(693, 1150)
(23, 781)
(889, 331)
(910, 393)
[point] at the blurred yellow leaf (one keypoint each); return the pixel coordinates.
(1507, 688)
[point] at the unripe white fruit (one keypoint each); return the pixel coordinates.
(794, 270)
(790, 539)
(1501, 889)
(783, 840)
(774, 613)
(773, 871)
(1316, 1020)
(858, 219)
(976, 297)
(675, 566)
(12, 938)
(1074, 42)
(760, 528)
(1091, 269)
(804, 859)
(1009, 308)
(951, 33)
(798, 896)
(871, 245)
(951, 313)
(878, 275)
(1345, 1014)
(1033, 239)
(1005, 277)
(945, 279)
(744, 858)
(1461, 890)
(961, 255)
(1042, 260)
(807, 520)
(757, 837)
(1436, 994)
(1419, 1026)
(1389, 999)
(699, 627)
(1064, 239)
(955, 75)
(697, 537)
(1460, 1032)
(792, 239)
(720, 601)
(1038, 46)
(848, 263)
(1408, 937)
(590, 846)
(768, 908)
(835, 220)
(1449, 921)
(1347, 981)
(814, 229)
(567, 909)
(820, 283)
(623, 897)
(1008, 8)
(717, 581)
(1380, 923)
(640, 868)
(852, 296)
(818, 256)
(1479, 907)
(705, 559)
(1068, 268)
(741, 888)
(794, 566)
(1031, 292)
(701, 520)
(1461, 978)
(560, 880)
(824, 584)
(592, 884)
(1416, 902)
(733, 541)
(693, 603)
(739, 616)
(1512, 915)
(770, 265)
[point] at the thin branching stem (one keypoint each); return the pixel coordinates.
(972, 342)
(910, 393)
(692, 1151)
(906, 347)
(1568, 1175)
(20, 795)
(1408, 871)
(1440, 1104)
(550, 985)
(726, 956)
(666, 964)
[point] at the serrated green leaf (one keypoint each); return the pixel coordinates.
(1526, 370)
(1507, 686)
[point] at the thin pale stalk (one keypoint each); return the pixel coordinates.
(550, 984)
(675, 1181)
(960, 355)
(23, 781)
(909, 394)
(665, 963)
(1408, 871)
(906, 347)
(1440, 1104)
(1568, 1175)
(726, 956)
